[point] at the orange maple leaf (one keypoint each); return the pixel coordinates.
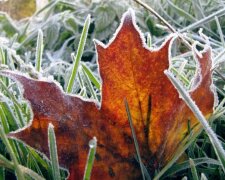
(128, 69)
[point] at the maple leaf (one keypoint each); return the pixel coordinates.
(129, 70)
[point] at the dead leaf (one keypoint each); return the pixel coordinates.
(20, 9)
(128, 70)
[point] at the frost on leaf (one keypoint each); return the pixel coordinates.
(130, 70)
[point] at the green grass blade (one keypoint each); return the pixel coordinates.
(203, 177)
(19, 173)
(19, 116)
(53, 152)
(2, 56)
(9, 165)
(184, 79)
(91, 158)
(80, 80)
(37, 157)
(6, 163)
(4, 121)
(11, 96)
(77, 58)
(185, 165)
(135, 138)
(28, 172)
(89, 85)
(180, 11)
(203, 20)
(220, 31)
(17, 107)
(39, 50)
(149, 40)
(212, 136)
(50, 5)
(90, 75)
(31, 163)
(2, 173)
(193, 170)
(12, 120)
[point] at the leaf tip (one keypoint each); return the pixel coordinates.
(15, 135)
(50, 126)
(13, 75)
(93, 142)
(99, 45)
(128, 16)
(88, 20)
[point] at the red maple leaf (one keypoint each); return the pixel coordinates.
(129, 70)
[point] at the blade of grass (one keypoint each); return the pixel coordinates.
(17, 107)
(168, 168)
(203, 20)
(218, 114)
(11, 119)
(170, 27)
(91, 158)
(193, 170)
(80, 80)
(89, 85)
(185, 165)
(31, 173)
(4, 121)
(93, 79)
(6, 163)
(9, 165)
(134, 137)
(53, 152)
(50, 5)
(180, 11)
(19, 173)
(77, 58)
(203, 177)
(19, 116)
(220, 31)
(220, 106)
(83, 93)
(149, 40)
(2, 173)
(37, 157)
(39, 50)
(2, 55)
(31, 163)
(82, 86)
(212, 136)
(156, 15)
(184, 79)
(12, 97)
